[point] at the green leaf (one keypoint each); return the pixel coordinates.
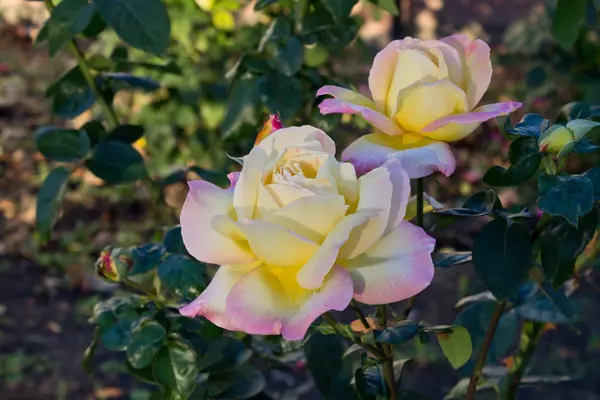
(481, 203)
(143, 24)
(339, 9)
(476, 318)
(146, 257)
(48, 201)
(126, 133)
(242, 108)
(243, 382)
(399, 334)
(117, 163)
(324, 360)
(502, 256)
(64, 145)
(182, 275)
(262, 4)
(223, 354)
(69, 18)
(568, 20)
(562, 243)
(594, 176)
(447, 260)
(71, 95)
(531, 125)
(95, 28)
(116, 336)
(387, 5)
(542, 309)
(525, 161)
(95, 132)
(173, 241)
(174, 368)
(570, 196)
(288, 56)
(146, 340)
(89, 352)
(457, 346)
(281, 95)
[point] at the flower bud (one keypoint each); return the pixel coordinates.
(272, 124)
(557, 139)
(113, 264)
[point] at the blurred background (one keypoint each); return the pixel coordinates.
(193, 114)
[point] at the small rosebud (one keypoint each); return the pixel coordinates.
(557, 139)
(113, 264)
(272, 124)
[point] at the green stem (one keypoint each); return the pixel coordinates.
(109, 113)
(152, 296)
(336, 327)
(530, 336)
(483, 350)
(389, 377)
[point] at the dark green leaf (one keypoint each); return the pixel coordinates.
(174, 368)
(363, 389)
(324, 360)
(146, 257)
(457, 346)
(562, 243)
(541, 309)
(65, 145)
(585, 146)
(339, 9)
(243, 382)
(117, 163)
(181, 274)
(95, 132)
(531, 125)
(261, 4)
(116, 337)
(399, 334)
(48, 201)
(502, 256)
(173, 241)
(242, 108)
(568, 20)
(481, 203)
(223, 353)
(536, 76)
(126, 133)
(288, 56)
(143, 24)
(69, 18)
(71, 95)
(145, 343)
(446, 260)
(96, 26)
(570, 196)
(217, 178)
(281, 95)
(594, 176)
(525, 161)
(575, 110)
(558, 298)
(124, 81)
(387, 5)
(143, 374)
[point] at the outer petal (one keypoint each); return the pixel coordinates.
(396, 268)
(248, 183)
(375, 191)
(305, 136)
(377, 119)
(204, 214)
(233, 178)
(457, 126)
(476, 57)
(265, 302)
(419, 157)
(312, 274)
(400, 194)
(211, 303)
(346, 95)
(277, 246)
(384, 67)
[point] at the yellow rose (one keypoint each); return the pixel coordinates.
(425, 93)
(298, 234)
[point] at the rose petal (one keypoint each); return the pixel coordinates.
(233, 178)
(211, 303)
(305, 136)
(207, 207)
(396, 268)
(476, 56)
(277, 246)
(250, 179)
(378, 120)
(419, 158)
(270, 302)
(455, 127)
(346, 95)
(400, 194)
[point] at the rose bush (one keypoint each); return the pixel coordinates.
(298, 234)
(425, 93)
